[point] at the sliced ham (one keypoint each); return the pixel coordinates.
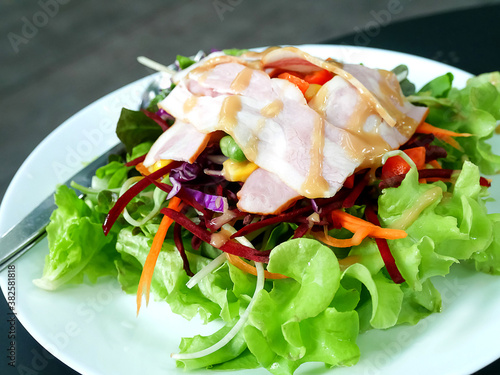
(181, 142)
(302, 149)
(345, 107)
(294, 142)
(265, 193)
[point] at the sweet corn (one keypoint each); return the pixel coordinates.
(158, 165)
(311, 91)
(237, 171)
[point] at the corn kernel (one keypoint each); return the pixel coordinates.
(311, 91)
(238, 171)
(159, 165)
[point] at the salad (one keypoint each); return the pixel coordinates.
(301, 201)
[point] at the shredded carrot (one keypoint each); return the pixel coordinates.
(361, 229)
(442, 134)
(244, 266)
(427, 128)
(355, 240)
(435, 164)
(452, 142)
(149, 266)
(142, 169)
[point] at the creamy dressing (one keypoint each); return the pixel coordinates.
(242, 80)
(412, 213)
(251, 148)
(190, 103)
(218, 239)
(273, 109)
(228, 116)
(315, 185)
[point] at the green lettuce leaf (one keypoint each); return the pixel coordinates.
(439, 87)
(386, 296)
(229, 352)
(293, 323)
(444, 227)
(134, 128)
(235, 51)
(77, 245)
(211, 298)
(473, 109)
(488, 261)
(184, 62)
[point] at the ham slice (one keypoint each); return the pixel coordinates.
(303, 149)
(265, 193)
(181, 142)
(293, 141)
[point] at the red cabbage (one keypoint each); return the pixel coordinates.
(211, 202)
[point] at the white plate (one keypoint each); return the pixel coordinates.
(93, 328)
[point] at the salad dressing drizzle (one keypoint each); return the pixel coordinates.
(218, 239)
(315, 184)
(242, 80)
(368, 145)
(251, 148)
(228, 116)
(412, 213)
(273, 109)
(209, 64)
(189, 104)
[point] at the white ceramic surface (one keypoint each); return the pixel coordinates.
(93, 328)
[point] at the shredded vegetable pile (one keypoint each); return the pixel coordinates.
(300, 284)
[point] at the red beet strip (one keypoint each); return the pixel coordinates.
(122, 202)
(180, 247)
(484, 182)
(229, 247)
(395, 181)
(181, 194)
(355, 193)
(153, 116)
(301, 230)
(134, 162)
(284, 217)
(385, 251)
(434, 152)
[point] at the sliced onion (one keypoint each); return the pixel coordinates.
(236, 328)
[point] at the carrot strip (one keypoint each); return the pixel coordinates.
(142, 169)
(452, 142)
(355, 224)
(435, 164)
(427, 128)
(443, 134)
(244, 266)
(355, 240)
(149, 266)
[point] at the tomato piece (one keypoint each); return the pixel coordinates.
(396, 165)
(319, 77)
(300, 83)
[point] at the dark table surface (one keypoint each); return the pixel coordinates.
(468, 39)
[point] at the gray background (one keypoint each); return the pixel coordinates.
(57, 56)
